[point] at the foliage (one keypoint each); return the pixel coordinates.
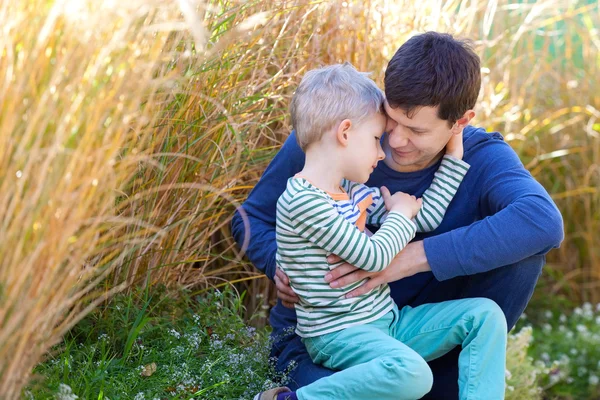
(149, 346)
(132, 130)
(567, 344)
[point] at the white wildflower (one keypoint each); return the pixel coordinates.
(562, 318)
(66, 393)
(569, 335)
(593, 380)
(573, 352)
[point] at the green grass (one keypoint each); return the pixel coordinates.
(157, 344)
(192, 347)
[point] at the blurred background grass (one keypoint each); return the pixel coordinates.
(131, 131)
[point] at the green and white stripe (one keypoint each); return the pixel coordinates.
(308, 229)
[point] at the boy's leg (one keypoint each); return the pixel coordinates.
(478, 325)
(290, 352)
(510, 287)
(373, 365)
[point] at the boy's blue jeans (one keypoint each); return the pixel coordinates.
(510, 287)
(386, 359)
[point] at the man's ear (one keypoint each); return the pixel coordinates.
(342, 132)
(463, 121)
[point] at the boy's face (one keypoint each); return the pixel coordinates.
(412, 144)
(364, 148)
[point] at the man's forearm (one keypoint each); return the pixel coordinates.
(523, 229)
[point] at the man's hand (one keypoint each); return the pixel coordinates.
(408, 262)
(284, 291)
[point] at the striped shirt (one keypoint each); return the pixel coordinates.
(312, 224)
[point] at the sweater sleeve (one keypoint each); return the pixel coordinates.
(259, 210)
(312, 217)
(519, 219)
(436, 198)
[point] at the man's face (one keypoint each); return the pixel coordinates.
(412, 144)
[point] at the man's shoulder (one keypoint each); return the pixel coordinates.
(475, 136)
(480, 143)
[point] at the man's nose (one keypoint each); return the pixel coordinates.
(397, 138)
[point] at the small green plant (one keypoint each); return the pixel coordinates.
(522, 374)
(567, 346)
(150, 346)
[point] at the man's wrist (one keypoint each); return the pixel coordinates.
(420, 258)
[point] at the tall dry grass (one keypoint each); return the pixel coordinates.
(131, 130)
(83, 91)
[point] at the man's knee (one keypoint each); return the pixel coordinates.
(510, 287)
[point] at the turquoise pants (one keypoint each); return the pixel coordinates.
(387, 358)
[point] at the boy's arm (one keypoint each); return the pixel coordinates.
(376, 212)
(438, 196)
(435, 199)
(260, 207)
(310, 216)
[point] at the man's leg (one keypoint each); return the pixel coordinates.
(510, 287)
(288, 348)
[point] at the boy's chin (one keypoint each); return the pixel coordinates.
(360, 179)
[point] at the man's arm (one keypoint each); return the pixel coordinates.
(260, 207)
(522, 220)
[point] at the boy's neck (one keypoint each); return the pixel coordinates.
(322, 169)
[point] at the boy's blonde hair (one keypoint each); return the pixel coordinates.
(328, 95)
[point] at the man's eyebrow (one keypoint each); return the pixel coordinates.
(416, 128)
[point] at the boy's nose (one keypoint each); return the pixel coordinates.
(380, 153)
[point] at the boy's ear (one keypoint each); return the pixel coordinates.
(463, 121)
(342, 132)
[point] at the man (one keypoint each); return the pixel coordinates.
(493, 239)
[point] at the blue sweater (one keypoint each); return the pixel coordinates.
(500, 214)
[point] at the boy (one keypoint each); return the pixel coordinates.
(337, 114)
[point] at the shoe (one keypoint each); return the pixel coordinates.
(271, 394)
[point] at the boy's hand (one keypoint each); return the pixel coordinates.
(455, 146)
(401, 202)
